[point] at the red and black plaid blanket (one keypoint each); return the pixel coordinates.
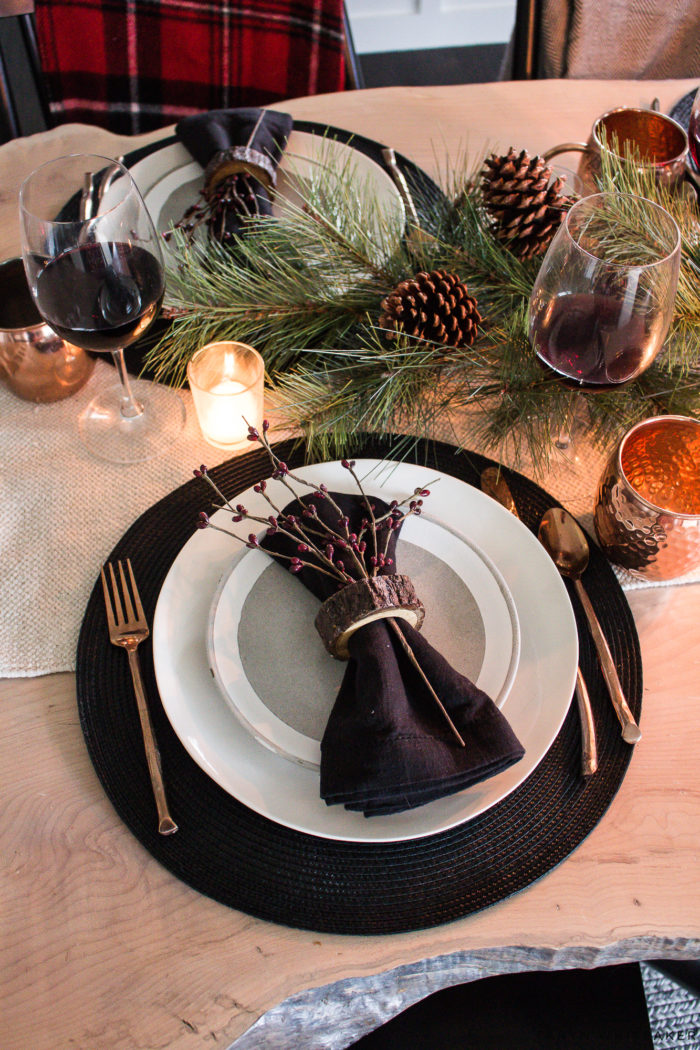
(135, 65)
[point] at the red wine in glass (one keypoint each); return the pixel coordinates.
(591, 339)
(101, 296)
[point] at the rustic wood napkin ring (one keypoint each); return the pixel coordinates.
(239, 158)
(362, 602)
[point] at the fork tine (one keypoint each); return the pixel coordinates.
(135, 592)
(128, 607)
(108, 601)
(115, 593)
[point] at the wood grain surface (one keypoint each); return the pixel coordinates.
(102, 949)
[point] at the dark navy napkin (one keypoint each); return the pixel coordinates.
(253, 139)
(387, 747)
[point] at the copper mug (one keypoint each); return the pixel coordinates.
(647, 514)
(660, 143)
(35, 363)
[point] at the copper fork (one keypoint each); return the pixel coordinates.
(127, 629)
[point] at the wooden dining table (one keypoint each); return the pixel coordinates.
(103, 949)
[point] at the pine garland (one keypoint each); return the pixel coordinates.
(306, 291)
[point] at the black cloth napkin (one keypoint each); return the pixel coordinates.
(252, 137)
(387, 747)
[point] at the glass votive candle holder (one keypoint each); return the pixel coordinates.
(227, 380)
(647, 514)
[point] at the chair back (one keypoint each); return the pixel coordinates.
(9, 8)
(525, 40)
(23, 102)
(615, 39)
(132, 67)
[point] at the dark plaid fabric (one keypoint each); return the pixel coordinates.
(135, 65)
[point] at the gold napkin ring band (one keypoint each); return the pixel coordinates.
(239, 158)
(362, 602)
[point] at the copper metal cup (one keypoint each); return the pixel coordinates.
(647, 514)
(35, 363)
(658, 140)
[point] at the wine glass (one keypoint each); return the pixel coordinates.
(603, 299)
(95, 270)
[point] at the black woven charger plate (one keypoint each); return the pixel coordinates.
(248, 862)
(681, 114)
(422, 188)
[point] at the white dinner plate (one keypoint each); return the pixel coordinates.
(285, 702)
(287, 792)
(169, 181)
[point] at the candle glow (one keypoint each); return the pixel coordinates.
(226, 380)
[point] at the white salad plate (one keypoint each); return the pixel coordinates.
(288, 792)
(457, 584)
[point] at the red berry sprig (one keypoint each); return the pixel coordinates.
(331, 547)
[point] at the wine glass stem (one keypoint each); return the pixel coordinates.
(563, 439)
(130, 408)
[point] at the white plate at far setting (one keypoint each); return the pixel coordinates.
(283, 688)
(288, 792)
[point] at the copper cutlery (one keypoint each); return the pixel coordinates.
(402, 186)
(127, 629)
(417, 239)
(494, 484)
(564, 539)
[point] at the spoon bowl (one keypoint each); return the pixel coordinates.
(565, 541)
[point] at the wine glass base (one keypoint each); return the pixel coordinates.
(110, 436)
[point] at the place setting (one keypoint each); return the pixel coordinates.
(175, 173)
(374, 681)
(245, 796)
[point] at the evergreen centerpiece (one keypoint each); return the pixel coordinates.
(331, 297)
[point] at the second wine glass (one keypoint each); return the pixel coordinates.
(95, 269)
(603, 299)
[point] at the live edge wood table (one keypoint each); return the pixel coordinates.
(102, 948)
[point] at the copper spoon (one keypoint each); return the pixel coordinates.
(495, 485)
(566, 542)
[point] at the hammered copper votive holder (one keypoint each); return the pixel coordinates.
(657, 142)
(647, 514)
(35, 363)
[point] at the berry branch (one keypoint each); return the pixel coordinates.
(334, 548)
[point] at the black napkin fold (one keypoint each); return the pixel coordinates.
(387, 746)
(252, 138)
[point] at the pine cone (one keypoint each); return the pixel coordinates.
(526, 209)
(433, 306)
